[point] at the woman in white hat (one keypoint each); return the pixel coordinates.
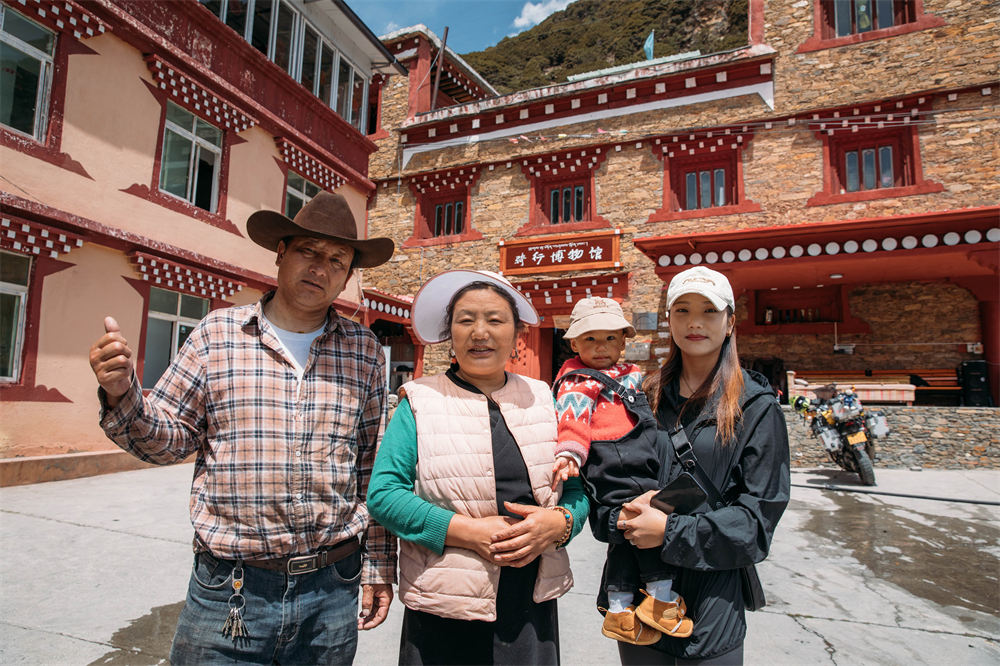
(463, 478)
(738, 436)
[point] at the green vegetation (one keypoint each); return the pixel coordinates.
(595, 34)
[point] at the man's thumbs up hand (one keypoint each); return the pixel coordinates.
(111, 360)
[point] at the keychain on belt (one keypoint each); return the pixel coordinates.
(234, 626)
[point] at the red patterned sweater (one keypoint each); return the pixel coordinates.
(587, 411)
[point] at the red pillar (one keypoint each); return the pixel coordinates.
(989, 318)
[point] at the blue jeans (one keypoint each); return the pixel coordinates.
(306, 619)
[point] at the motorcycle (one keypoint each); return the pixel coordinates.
(847, 430)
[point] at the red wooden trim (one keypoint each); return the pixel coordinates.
(24, 388)
(746, 206)
(756, 21)
(142, 288)
(126, 241)
(922, 187)
(597, 222)
(179, 205)
(817, 42)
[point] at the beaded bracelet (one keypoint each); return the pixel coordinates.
(568, 532)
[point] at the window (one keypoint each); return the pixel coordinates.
(191, 158)
(871, 163)
(281, 33)
(840, 22)
(567, 204)
(449, 218)
(298, 193)
(703, 175)
(172, 318)
(26, 52)
(14, 271)
(705, 188)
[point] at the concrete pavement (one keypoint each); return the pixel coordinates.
(95, 571)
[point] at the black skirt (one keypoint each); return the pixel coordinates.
(525, 632)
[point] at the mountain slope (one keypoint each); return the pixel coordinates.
(595, 34)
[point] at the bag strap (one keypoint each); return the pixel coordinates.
(685, 453)
(613, 384)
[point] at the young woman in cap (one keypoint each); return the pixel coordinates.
(738, 435)
(463, 478)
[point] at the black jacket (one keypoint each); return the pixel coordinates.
(709, 547)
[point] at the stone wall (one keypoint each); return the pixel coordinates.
(931, 437)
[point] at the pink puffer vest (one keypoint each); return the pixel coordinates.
(455, 471)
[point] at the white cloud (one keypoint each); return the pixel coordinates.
(391, 26)
(533, 13)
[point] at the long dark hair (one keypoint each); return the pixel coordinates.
(723, 386)
(476, 286)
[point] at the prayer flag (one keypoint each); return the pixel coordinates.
(648, 46)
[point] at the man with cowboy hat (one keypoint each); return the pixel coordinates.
(282, 402)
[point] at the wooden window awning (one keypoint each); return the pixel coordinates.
(308, 166)
(557, 297)
(382, 305)
(193, 96)
(36, 239)
(178, 276)
(62, 16)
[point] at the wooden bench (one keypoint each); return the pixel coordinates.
(893, 388)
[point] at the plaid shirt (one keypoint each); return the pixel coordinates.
(282, 463)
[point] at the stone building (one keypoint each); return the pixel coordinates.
(135, 140)
(841, 169)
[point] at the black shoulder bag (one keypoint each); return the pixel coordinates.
(753, 592)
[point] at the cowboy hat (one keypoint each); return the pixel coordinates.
(328, 216)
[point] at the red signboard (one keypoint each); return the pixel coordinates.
(564, 252)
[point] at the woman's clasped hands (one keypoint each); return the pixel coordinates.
(642, 524)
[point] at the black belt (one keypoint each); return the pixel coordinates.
(302, 564)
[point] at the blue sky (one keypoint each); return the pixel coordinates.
(473, 24)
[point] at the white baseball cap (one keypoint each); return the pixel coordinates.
(430, 306)
(595, 313)
(713, 285)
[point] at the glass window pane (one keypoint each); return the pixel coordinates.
(20, 77)
(161, 300)
(159, 338)
(325, 82)
(567, 208)
(283, 33)
(204, 180)
(10, 327)
(183, 333)
(260, 30)
(214, 6)
(344, 84)
(311, 190)
(180, 117)
(438, 212)
(310, 53)
(885, 167)
(720, 187)
(208, 133)
(883, 10)
(705, 189)
(578, 203)
(863, 14)
(554, 206)
(691, 191)
(193, 307)
(14, 268)
(28, 32)
(459, 217)
(293, 203)
(236, 16)
(357, 99)
(868, 167)
(448, 224)
(852, 173)
(842, 17)
(174, 164)
(296, 181)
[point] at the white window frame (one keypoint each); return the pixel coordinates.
(200, 144)
(297, 51)
(297, 193)
(44, 91)
(20, 291)
(176, 320)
